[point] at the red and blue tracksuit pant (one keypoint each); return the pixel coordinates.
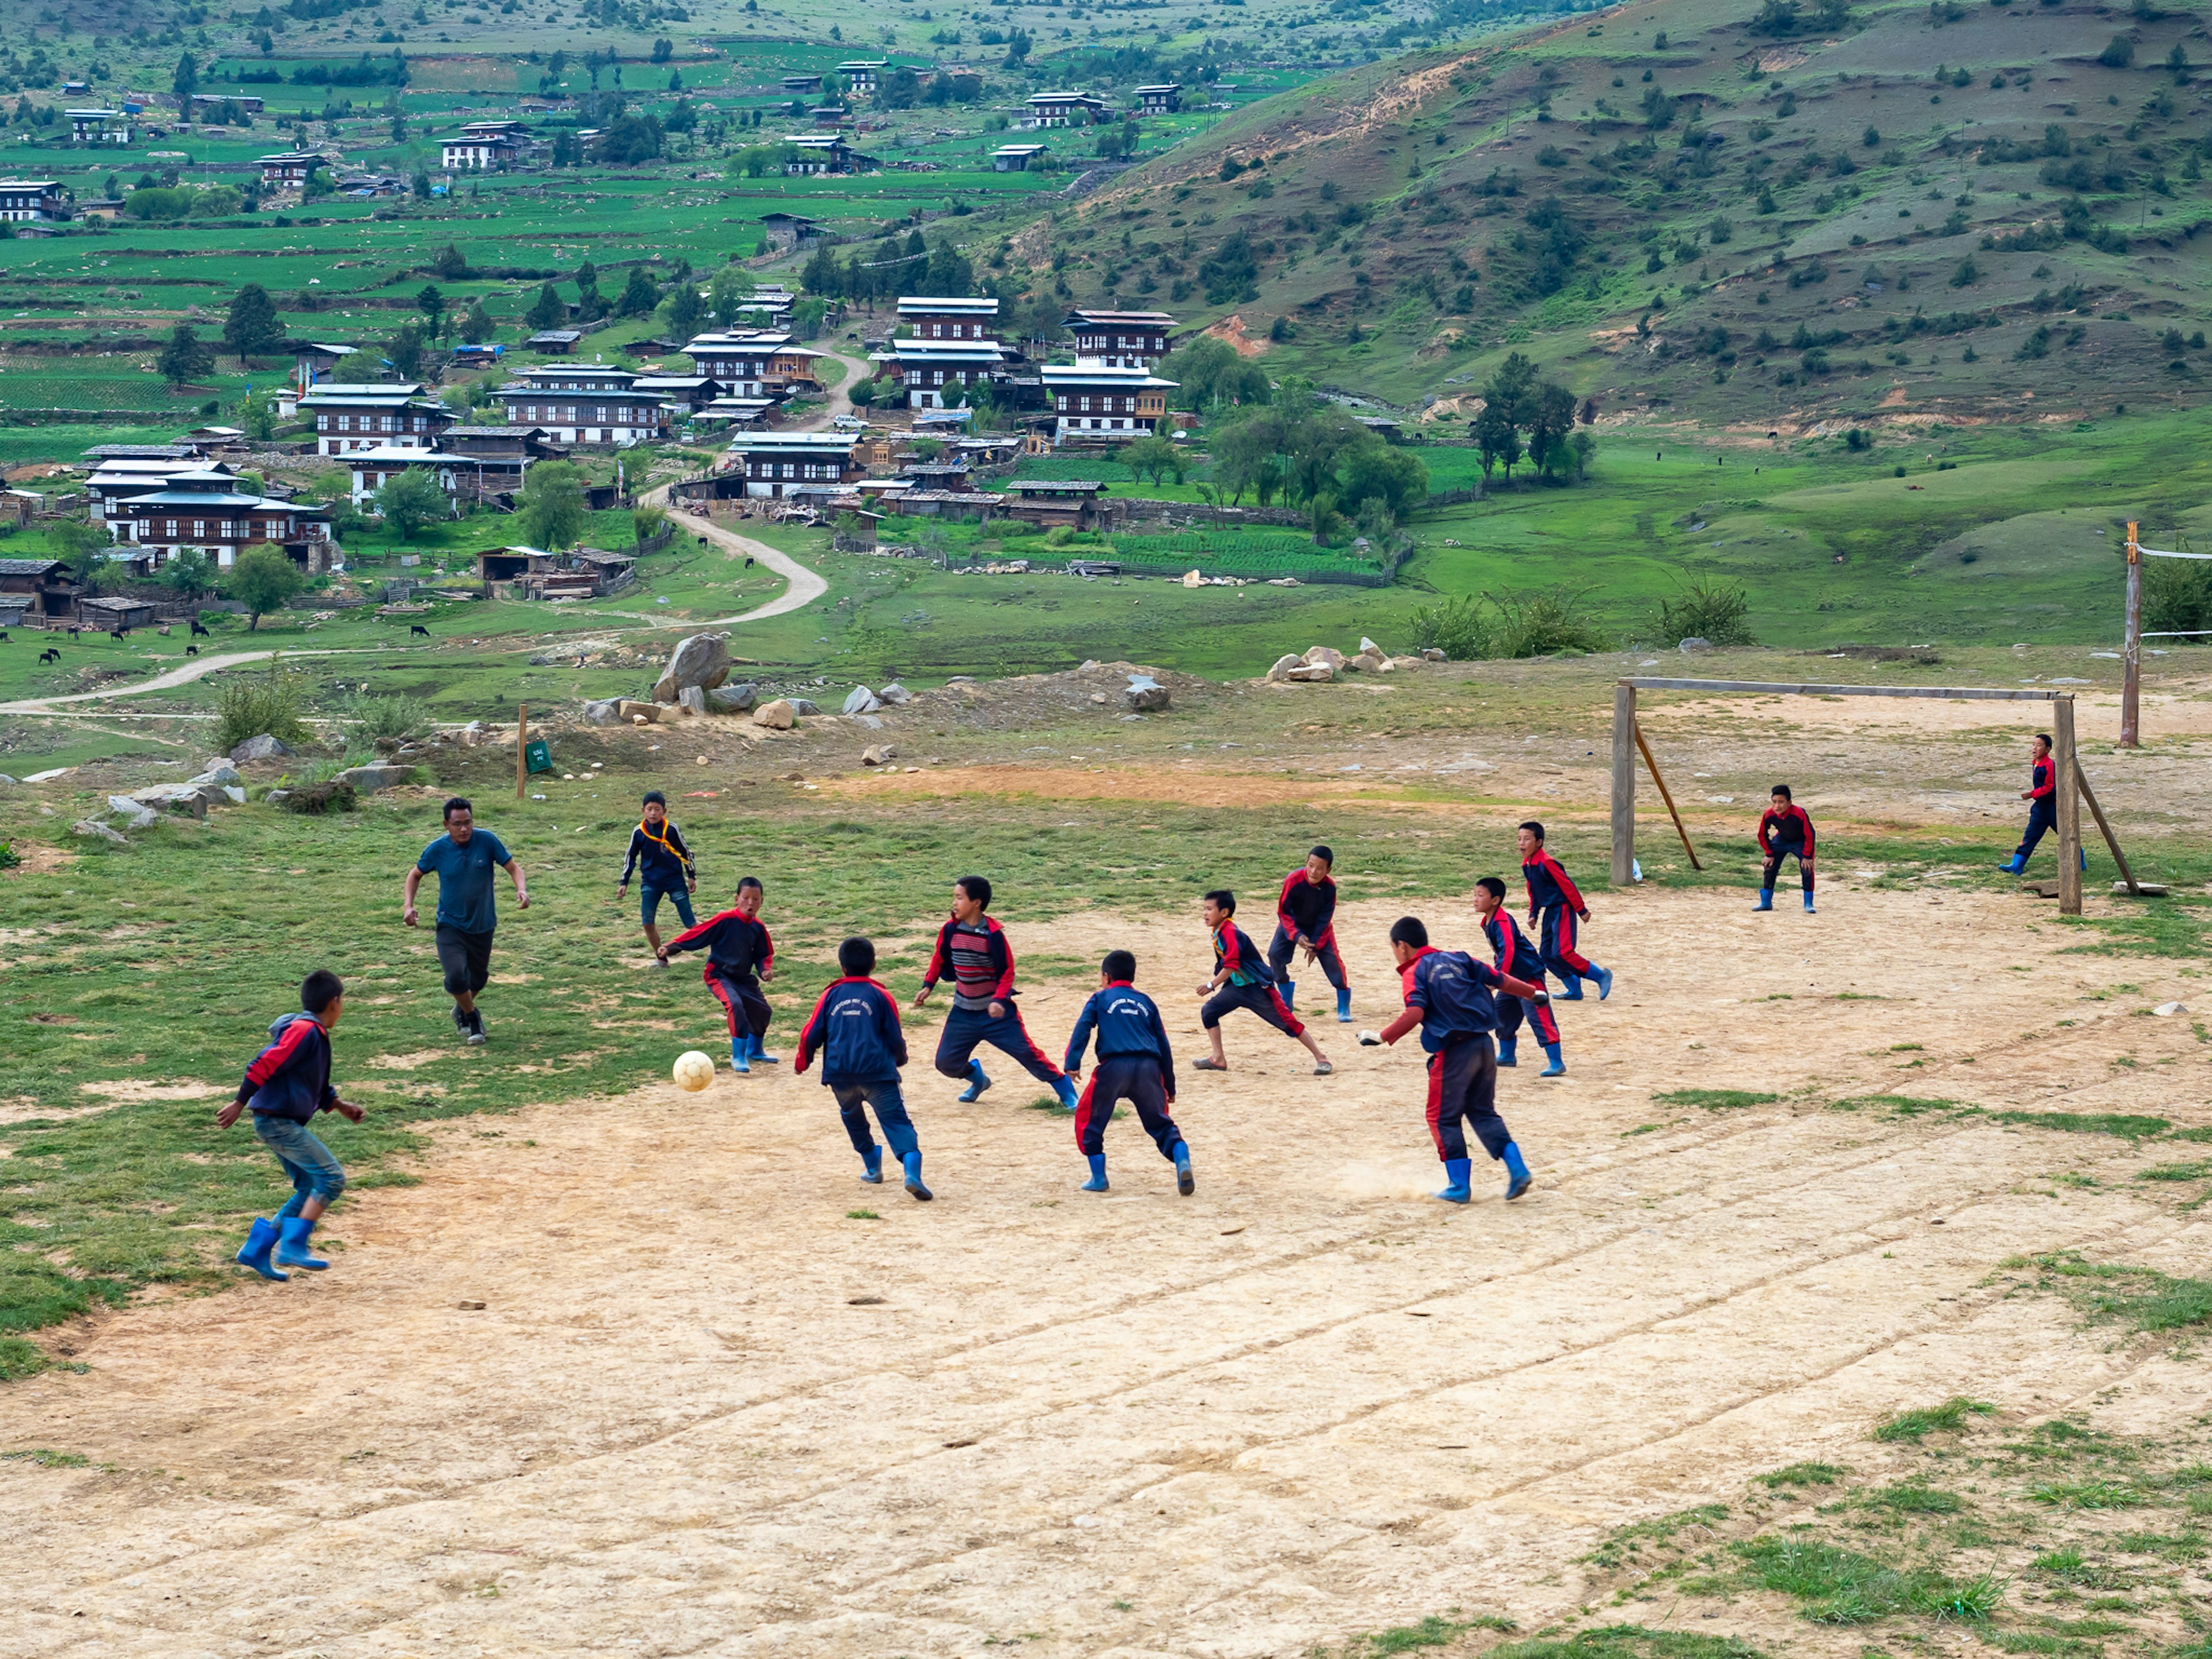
(742, 1005)
(2042, 820)
(1512, 1010)
(1284, 946)
(1264, 1001)
(966, 1028)
(1135, 1079)
(1555, 942)
(1462, 1096)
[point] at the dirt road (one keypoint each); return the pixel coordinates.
(174, 678)
(723, 1398)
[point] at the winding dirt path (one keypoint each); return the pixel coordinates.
(176, 677)
(806, 585)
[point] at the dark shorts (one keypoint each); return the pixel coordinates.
(465, 957)
(649, 903)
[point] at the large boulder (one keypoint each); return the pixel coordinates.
(607, 712)
(1145, 695)
(895, 695)
(702, 660)
(1368, 662)
(1325, 656)
(879, 754)
(1368, 648)
(777, 716)
(1283, 667)
(1429, 653)
(216, 775)
(93, 826)
(731, 699)
(180, 797)
(692, 699)
(261, 747)
(861, 700)
(1319, 673)
(373, 779)
(803, 706)
(136, 815)
(631, 709)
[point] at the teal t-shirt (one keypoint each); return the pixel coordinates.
(464, 878)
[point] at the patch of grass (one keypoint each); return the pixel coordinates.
(2022, 1641)
(862, 1215)
(2188, 1545)
(1432, 1631)
(2142, 1297)
(1628, 1642)
(1803, 1474)
(1715, 1100)
(1947, 1419)
(1901, 1105)
(2089, 1494)
(49, 1460)
(2197, 1171)
(1050, 1106)
(2126, 1125)
(1839, 1586)
(1912, 1498)
(1622, 1542)
(19, 1359)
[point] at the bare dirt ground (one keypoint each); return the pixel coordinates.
(707, 1409)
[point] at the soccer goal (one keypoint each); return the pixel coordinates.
(1628, 742)
(2131, 647)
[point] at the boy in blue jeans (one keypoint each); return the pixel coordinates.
(668, 871)
(288, 1083)
(855, 1029)
(1134, 1064)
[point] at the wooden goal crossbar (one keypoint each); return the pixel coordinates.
(1628, 740)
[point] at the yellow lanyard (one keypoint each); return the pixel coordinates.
(646, 830)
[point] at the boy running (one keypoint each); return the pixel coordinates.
(2042, 798)
(1784, 832)
(1305, 918)
(1555, 906)
(288, 1083)
(1242, 979)
(463, 857)
(1134, 1064)
(1516, 959)
(855, 1029)
(1447, 995)
(740, 955)
(669, 872)
(973, 952)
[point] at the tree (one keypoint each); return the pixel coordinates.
(261, 581)
(1151, 458)
(948, 271)
(1375, 471)
(727, 293)
(403, 350)
(1208, 373)
(639, 295)
(1496, 440)
(863, 393)
(451, 265)
(551, 505)
(411, 500)
(631, 139)
(900, 89)
(185, 358)
(1552, 419)
(252, 328)
(185, 82)
(1510, 387)
(589, 305)
(79, 543)
(547, 310)
(682, 309)
(431, 304)
(478, 324)
(191, 574)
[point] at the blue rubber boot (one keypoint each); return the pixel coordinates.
(1766, 899)
(1344, 1005)
(2014, 866)
(913, 1162)
(2084, 857)
(1068, 1098)
(1516, 1173)
(872, 1166)
(762, 1054)
(1184, 1183)
(1456, 1175)
(1571, 989)
(254, 1253)
(1097, 1181)
(1604, 978)
(1509, 1051)
(1290, 994)
(292, 1245)
(976, 1083)
(740, 1048)
(1808, 904)
(1558, 1067)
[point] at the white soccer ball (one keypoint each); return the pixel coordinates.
(694, 1071)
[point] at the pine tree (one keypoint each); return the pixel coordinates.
(548, 311)
(252, 328)
(185, 358)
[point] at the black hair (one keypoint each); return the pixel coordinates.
(1409, 930)
(318, 990)
(1533, 828)
(1491, 885)
(857, 956)
(1324, 855)
(750, 881)
(2043, 738)
(458, 803)
(1783, 790)
(654, 798)
(1118, 964)
(977, 888)
(1225, 899)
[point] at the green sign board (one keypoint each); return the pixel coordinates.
(537, 754)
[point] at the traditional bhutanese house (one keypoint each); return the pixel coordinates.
(289, 169)
(32, 201)
(688, 391)
(609, 571)
(43, 587)
(771, 462)
(114, 611)
(1018, 158)
(938, 475)
(1094, 403)
(861, 74)
(949, 319)
(115, 483)
(1120, 339)
(485, 147)
(223, 524)
(585, 403)
(554, 342)
(463, 477)
(786, 231)
(1063, 109)
(950, 503)
(828, 117)
(739, 360)
(98, 126)
(315, 363)
(1159, 101)
(1053, 502)
(818, 153)
(369, 417)
(741, 413)
(532, 441)
(799, 84)
(930, 370)
(507, 564)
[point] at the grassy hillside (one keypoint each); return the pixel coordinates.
(1753, 216)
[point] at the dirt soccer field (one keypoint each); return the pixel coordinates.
(719, 1398)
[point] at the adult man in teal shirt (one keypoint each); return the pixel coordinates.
(463, 857)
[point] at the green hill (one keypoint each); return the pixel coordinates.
(1740, 212)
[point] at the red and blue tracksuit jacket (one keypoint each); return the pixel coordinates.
(291, 1077)
(1555, 903)
(1128, 1026)
(975, 956)
(855, 1029)
(1781, 834)
(738, 946)
(2042, 790)
(1233, 948)
(1307, 907)
(1518, 959)
(1454, 993)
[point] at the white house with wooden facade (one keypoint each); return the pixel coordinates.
(1062, 109)
(861, 74)
(485, 147)
(949, 319)
(32, 201)
(752, 363)
(115, 484)
(1018, 158)
(1098, 403)
(585, 403)
(369, 417)
(1120, 339)
(774, 463)
(290, 169)
(222, 523)
(98, 126)
(932, 371)
(1159, 101)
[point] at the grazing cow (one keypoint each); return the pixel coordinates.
(191, 651)
(3, 636)
(74, 630)
(199, 632)
(114, 633)
(416, 628)
(50, 655)
(749, 561)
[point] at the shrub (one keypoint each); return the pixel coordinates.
(1707, 610)
(317, 799)
(256, 705)
(2177, 595)
(393, 717)
(1457, 627)
(10, 858)
(1544, 623)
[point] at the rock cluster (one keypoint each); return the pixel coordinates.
(1320, 663)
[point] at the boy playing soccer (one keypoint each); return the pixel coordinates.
(1516, 959)
(2042, 798)
(1784, 832)
(1556, 907)
(855, 1029)
(1242, 979)
(973, 952)
(288, 1083)
(668, 873)
(1134, 1064)
(740, 955)
(1305, 918)
(1447, 995)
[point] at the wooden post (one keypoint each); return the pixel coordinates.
(2064, 772)
(2127, 875)
(1624, 784)
(1667, 796)
(2131, 650)
(521, 742)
